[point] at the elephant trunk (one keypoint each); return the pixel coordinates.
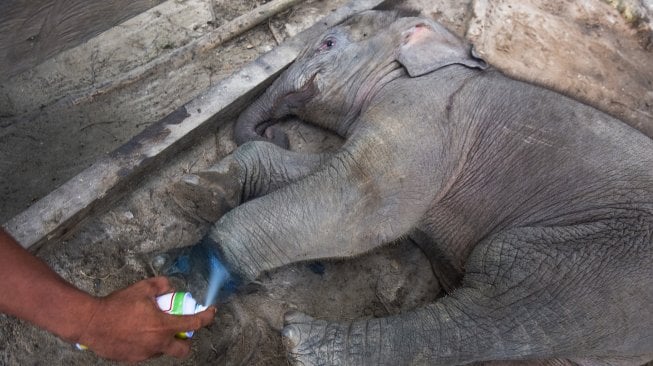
(253, 123)
(256, 123)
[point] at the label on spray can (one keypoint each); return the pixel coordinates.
(180, 303)
(174, 303)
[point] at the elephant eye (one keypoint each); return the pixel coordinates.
(327, 44)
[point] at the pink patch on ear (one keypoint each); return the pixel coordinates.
(416, 34)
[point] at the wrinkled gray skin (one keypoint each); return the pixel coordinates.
(541, 206)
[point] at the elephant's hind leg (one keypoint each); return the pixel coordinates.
(529, 293)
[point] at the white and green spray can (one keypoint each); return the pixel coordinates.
(180, 303)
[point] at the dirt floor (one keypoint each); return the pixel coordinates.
(52, 126)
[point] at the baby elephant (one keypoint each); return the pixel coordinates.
(542, 205)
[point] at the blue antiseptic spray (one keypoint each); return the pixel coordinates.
(218, 277)
(221, 282)
(203, 260)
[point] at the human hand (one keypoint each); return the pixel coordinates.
(128, 325)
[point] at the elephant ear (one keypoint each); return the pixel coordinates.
(427, 46)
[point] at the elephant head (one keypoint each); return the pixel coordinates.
(336, 76)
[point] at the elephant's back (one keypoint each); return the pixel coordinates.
(534, 117)
(532, 154)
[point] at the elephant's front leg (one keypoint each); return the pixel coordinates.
(364, 196)
(252, 170)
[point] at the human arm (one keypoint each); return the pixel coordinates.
(125, 325)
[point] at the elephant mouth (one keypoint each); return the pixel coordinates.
(291, 102)
(265, 129)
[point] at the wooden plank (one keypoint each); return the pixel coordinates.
(34, 30)
(91, 191)
(185, 53)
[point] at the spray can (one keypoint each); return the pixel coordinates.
(180, 303)
(174, 303)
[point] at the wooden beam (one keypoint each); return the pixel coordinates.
(93, 190)
(184, 54)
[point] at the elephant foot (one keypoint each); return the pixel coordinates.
(207, 195)
(313, 342)
(319, 342)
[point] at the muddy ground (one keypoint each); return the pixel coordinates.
(596, 51)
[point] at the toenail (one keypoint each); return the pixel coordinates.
(191, 179)
(290, 336)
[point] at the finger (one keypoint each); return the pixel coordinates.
(193, 322)
(158, 286)
(207, 316)
(178, 348)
